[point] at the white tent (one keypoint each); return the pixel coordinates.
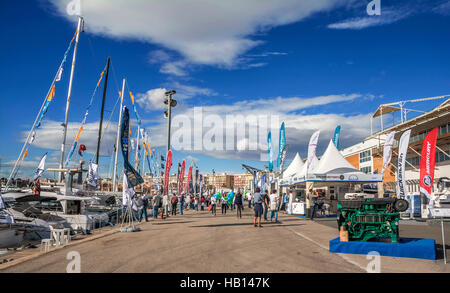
(332, 161)
(333, 167)
(301, 175)
(294, 167)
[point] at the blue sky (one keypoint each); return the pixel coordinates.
(328, 59)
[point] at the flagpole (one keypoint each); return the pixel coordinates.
(69, 94)
(115, 189)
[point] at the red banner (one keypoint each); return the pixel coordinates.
(189, 179)
(181, 179)
(427, 161)
(168, 166)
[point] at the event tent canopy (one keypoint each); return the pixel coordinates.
(294, 167)
(333, 167)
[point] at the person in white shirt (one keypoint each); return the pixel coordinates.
(213, 205)
(249, 200)
(274, 205)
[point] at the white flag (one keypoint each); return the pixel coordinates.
(133, 144)
(312, 148)
(33, 137)
(93, 174)
(387, 151)
(2, 203)
(58, 76)
(128, 194)
(402, 151)
(40, 169)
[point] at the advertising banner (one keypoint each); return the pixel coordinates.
(427, 162)
(281, 144)
(167, 172)
(387, 151)
(312, 148)
(402, 151)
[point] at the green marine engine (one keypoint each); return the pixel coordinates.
(371, 219)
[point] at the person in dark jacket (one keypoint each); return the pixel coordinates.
(239, 202)
(174, 201)
(157, 203)
(143, 210)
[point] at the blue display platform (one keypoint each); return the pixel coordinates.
(318, 217)
(407, 247)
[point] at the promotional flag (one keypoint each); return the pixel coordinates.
(312, 148)
(337, 133)
(134, 178)
(270, 150)
(402, 151)
(167, 172)
(93, 174)
(281, 144)
(427, 162)
(387, 151)
(181, 179)
(188, 183)
(196, 180)
(128, 194)
(263, 183)
(283, 157)
(40, 169)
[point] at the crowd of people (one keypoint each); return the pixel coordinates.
(163, 205)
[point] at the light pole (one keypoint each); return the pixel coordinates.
(170, 102)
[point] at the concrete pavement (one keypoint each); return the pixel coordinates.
(198, 242)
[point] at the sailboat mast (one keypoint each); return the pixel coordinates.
(105, 86)
(69, 94)
(115, 189)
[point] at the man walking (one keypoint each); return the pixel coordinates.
(157, 203)
(174, 201)
(143, 210)
(239, 202)
(181, 204)
(274, 206)
(165, 206)
(224, 201)
(213, 205)
(258, 202)
(265, 199)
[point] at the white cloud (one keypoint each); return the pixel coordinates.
(443, 8)
(206, 32)
(152, 99)
(386, 17)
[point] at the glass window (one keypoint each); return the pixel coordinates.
(365, 156)
(366, 170)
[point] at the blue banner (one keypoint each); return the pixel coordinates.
(263, 183)
(281, 144)
(134, 178)
(270, 150)
(337, 133)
